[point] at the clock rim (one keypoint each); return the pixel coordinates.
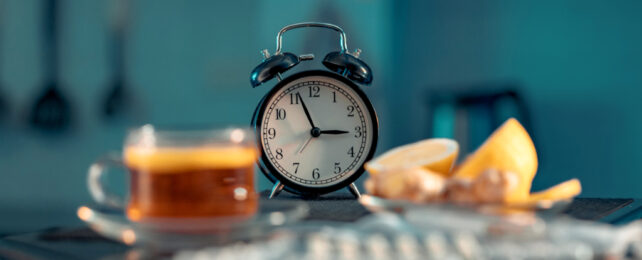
(266, 166)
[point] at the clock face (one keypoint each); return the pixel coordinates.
(317, 131)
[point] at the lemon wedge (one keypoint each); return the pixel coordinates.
(562, 191)
(509, 149)
(437, 155)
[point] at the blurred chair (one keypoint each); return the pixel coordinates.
(470, 113)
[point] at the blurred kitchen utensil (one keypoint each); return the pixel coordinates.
(118, 100)
(51, 111)
(4, 106)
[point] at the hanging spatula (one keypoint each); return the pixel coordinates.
(118, 100)
(51, 111)
(4, 106)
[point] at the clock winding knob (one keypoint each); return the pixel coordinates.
(356, 53)
(265, 53)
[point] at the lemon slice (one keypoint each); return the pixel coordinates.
(437, 155)
(562, 191)
(510, 149)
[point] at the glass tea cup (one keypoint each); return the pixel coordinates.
(182, 174)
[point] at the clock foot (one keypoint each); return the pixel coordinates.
(276, 189)
(354, 190)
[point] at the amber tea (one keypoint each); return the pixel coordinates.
(186, 175)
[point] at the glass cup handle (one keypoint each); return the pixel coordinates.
(97, 188)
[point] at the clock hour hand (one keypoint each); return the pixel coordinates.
(305, 109)
(333, 132)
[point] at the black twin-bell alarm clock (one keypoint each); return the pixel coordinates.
(316, 128)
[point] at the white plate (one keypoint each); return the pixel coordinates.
(378, 204)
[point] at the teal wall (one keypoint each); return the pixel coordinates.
(578, 62)
(189, 63)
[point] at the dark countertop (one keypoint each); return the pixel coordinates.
(80, 242)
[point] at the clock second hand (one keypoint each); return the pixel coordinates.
(329, 132)
(305, 144)
(307, 115)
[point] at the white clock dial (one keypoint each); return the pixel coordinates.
(341, 119)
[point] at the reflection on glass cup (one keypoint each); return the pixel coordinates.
(183, 174)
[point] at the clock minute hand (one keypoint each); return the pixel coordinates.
(333, 132)
(305, 109)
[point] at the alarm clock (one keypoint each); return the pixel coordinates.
(315, 129)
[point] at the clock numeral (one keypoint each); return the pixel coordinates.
(271, 133)
(296, 167)
(279, 153)
(280, 114)
(351, 111)
(294, 99)
(351, 152)
(314, 91)
(357, 132)
(315, 174)
(334, 97)
(337, 168)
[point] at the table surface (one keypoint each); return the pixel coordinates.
(80, 242)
